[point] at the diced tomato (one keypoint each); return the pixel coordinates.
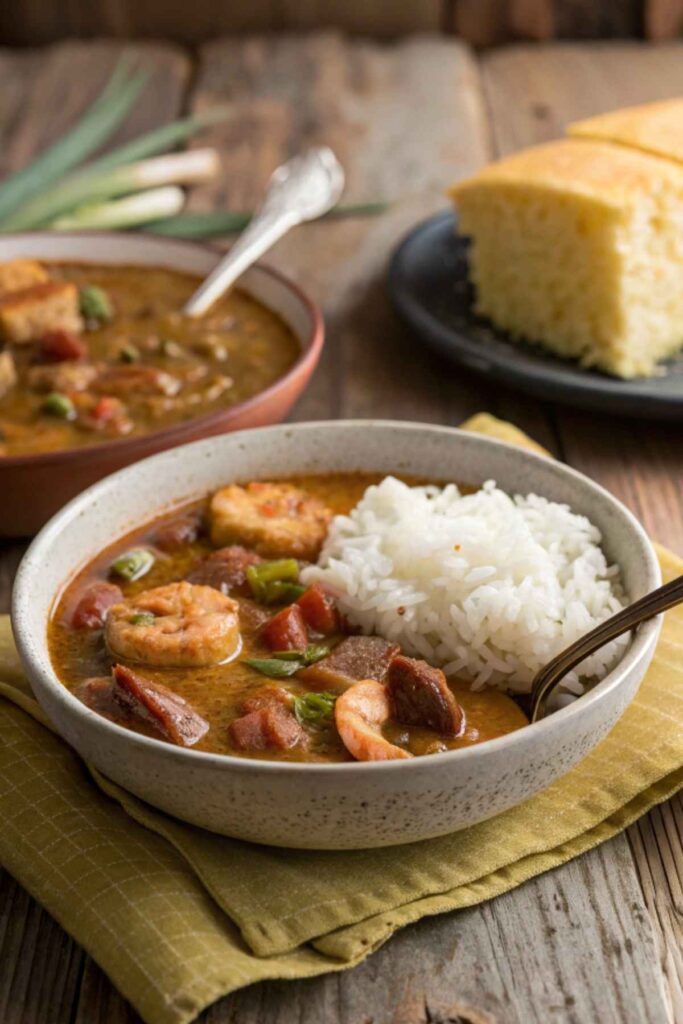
(60, 346)
(91, 610)
(286, 631)
(319, 610)
(107, 409)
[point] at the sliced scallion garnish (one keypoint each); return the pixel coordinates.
(142, 619)
(275, 668)
(59, 405)
(132, 564)
(314, 708)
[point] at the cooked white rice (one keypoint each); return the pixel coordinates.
(486, 586)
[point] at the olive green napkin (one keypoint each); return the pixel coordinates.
(178, 917)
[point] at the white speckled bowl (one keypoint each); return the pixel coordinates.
(342, 806)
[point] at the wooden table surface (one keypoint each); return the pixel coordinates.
(598, 940)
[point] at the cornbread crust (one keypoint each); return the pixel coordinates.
(652, 127)
(576, 246)
(26, 314)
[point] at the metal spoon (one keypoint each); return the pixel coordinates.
(646, 608)
(302, 189)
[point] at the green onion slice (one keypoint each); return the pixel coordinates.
(281, 592)
(133, 564)
(94, 304)
(275, 582)
(275, 668)
(313, 653)
(59, 405)
(142, 619)
(314, 708)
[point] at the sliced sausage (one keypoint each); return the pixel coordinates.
(168, 712)
(420, 695)
(226, 569)
(62, 346)
(286, 631)
(269, 727)
(319, 610)
(355, 658)
(91, 610)
(177, 533)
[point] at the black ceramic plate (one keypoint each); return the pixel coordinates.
(428, 285)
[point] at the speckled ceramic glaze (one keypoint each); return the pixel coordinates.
(338, 806)
(33, 487)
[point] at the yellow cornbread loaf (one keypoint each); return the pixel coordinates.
(578, 245)
(653, 127)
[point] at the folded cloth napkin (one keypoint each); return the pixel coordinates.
(178, 917)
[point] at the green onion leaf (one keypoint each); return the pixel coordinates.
(281, 592)
(142, 619)
(122, 213)
(59, 405)
(264, 575)
(207, 225)
(88, 187)
(94, 304)
(158, 140)
(314, 708)
(313, 653)
(274, 667)
(133, 564)
(93, 128)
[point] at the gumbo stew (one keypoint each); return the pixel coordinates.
(92, 353)
(197, 630)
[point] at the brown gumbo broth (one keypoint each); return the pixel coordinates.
(217, 692)
(69, 379)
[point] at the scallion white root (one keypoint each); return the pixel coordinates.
(123, 213)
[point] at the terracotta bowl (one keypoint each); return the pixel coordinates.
(327, 806)
(33, 487)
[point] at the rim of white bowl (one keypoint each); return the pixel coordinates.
(309, 345)
(640, 648)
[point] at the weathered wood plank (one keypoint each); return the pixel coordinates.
(40, 965)
(34, 22)
(59, 83)
(286, 93)
(663, 19)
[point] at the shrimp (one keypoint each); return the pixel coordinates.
(177, 625)
(359, 715)
(276, 520)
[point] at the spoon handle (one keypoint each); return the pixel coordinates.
(304, 188)
(645, 608)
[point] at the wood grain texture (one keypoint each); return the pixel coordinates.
(596, 939)
(663, 19)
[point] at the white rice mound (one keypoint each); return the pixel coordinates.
(487, 586)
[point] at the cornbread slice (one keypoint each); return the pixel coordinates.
(26, 315)
(653, 127)
(20, 274)
(578, 245)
